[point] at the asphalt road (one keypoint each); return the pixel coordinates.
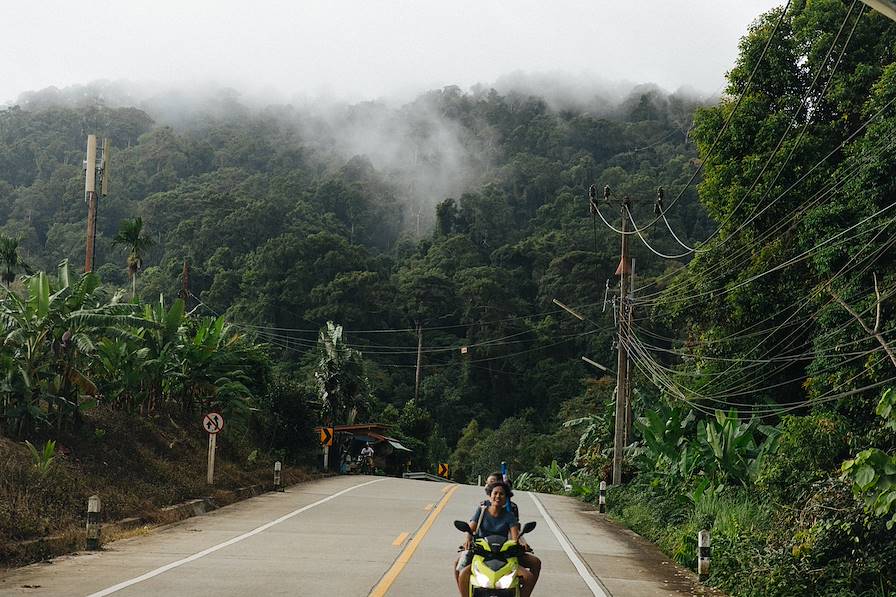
(353, 536)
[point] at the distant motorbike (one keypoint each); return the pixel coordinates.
(493, 571)
(366, 465)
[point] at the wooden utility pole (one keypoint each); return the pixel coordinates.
(419, 360)
(628, 383)
(622, 362)
(94, 170)
(90, 195)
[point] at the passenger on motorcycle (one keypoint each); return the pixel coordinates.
(495, 520)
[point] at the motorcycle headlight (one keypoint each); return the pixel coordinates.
(505, 581)
(483, 581)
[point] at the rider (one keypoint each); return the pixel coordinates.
(528, 559)
(367, 451)
(495, 520)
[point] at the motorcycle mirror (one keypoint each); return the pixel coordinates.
(460, 525)
(527, 528)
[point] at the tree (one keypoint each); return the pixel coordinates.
(10, 260)
(136, 242)
(341, 378)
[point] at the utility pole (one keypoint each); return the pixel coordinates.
(185, 283)
(94, 170)
(628, 384)
(622, 362)
(419, 359)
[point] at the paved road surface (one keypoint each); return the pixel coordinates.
(352, 536)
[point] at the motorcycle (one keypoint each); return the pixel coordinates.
(493, 571)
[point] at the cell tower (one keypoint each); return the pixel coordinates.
(96, 170)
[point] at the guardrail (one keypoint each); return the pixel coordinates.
(426, 477)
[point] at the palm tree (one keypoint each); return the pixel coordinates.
(9, 260)
(136, 243)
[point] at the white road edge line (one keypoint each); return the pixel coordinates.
(205, 552)
(583, 571)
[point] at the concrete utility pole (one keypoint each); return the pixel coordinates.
(622, 363)
(885, 7)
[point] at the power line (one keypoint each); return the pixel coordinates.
(724, 126)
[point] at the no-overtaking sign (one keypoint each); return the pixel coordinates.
(213, 423)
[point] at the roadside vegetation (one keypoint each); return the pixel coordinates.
(764, 411)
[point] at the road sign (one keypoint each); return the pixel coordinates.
(326, 436)
(213, 423)
(443, 470)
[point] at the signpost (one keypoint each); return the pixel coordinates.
(444, 471)
(326, 440)
(213, 423)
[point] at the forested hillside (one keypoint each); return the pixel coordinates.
(467, 216)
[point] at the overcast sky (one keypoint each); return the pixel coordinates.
(365, 49)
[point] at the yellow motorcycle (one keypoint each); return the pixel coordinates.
(493, 571)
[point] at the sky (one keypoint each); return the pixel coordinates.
(368, 49)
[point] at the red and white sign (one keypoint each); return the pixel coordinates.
(213, 423)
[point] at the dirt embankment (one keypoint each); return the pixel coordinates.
(137, 465)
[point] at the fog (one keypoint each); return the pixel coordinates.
(352, 50)
(351, 77)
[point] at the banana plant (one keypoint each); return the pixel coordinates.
(665, 435)
(47, 339)
(732, 450)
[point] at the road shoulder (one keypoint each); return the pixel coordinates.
(625, 563)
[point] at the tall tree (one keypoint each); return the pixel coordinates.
(136, 242)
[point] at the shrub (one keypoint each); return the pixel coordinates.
(809, 449)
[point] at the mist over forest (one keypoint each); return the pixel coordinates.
(426, 149)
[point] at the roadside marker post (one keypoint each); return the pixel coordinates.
(93, 523)
(213, 423)
(602, 498)
(277, 485)
(703, 543)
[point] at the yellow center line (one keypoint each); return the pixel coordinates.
(429, 507)
(405, 556)
(400, 539)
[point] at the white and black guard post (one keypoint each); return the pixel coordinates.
(93, 523)
(278, 486)
(703, 542)
(213, 423)
(602, 498)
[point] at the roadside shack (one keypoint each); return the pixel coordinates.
(389, 455)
